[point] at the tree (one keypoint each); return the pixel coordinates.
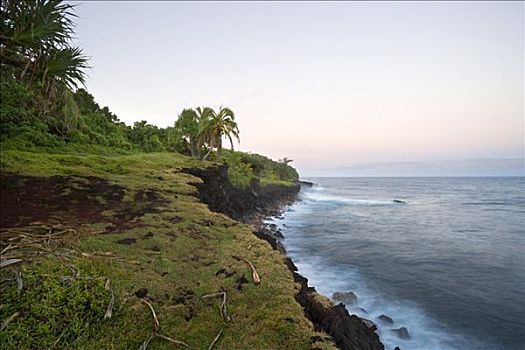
(187, 126)
(35, 43)
(285, 160)
(213, 126)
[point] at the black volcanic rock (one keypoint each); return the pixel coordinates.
(399, 201)
(369, 323)
(402, 333)
(240, 203)
(141, 293)
(385, 319)
(256, 202)
(345, 297)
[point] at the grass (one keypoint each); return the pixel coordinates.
(179, 251)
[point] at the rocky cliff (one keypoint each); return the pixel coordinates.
(251, 205)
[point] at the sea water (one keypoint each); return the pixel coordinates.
(448, 264)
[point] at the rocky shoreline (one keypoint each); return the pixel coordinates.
(253, 205)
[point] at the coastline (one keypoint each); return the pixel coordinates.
(254, 205)
(159, 213)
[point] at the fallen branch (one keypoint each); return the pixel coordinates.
(32, 240)
(10, 262)
(222, 308)
(58, 339)
(9, 320)
(109, 309)
(156, 323)
(174, 341)
(6, 249)
(215, 340)
(144, 345)
(19, 281)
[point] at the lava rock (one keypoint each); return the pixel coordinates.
(127, 241)
(346, 297)
(147, 235)
(369, 323)
(402, 333)
(240, 281)
(386, 319)
(141, 293)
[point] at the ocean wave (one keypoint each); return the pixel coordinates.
(426, 333)
(318, 196)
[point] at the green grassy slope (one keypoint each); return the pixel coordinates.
(177, 249)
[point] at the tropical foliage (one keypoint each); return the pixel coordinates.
(213, 126)
(44, 104)
(36, 43)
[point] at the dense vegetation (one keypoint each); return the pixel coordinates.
(44, 107)
(101, 227)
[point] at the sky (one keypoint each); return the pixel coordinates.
(342, 88)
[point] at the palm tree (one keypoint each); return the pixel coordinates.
(213, 126)
(187, 125)
(35, 43)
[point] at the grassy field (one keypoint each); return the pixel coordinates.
(87, 227)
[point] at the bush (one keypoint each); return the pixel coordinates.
(243, 167)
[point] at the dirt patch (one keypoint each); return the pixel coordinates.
(240, 281)
(183, 296)
(141, 293)
(225, 272)
(127, 241)
(26, 199)
(76, 200)
(147, 235)
(126, 215)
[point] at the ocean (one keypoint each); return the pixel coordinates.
(448, 264)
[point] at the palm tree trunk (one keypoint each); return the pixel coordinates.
(219, 149)
(193, 148)
(209, 152)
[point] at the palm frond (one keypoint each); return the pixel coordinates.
(66, 66)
